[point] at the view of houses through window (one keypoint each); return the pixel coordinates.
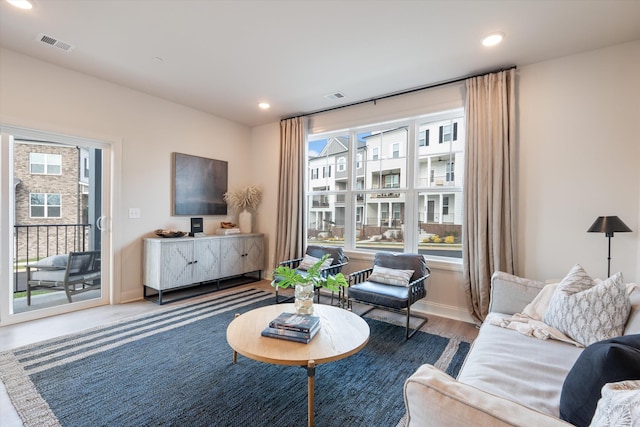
(394, 186)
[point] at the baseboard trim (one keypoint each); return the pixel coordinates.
(441, 310)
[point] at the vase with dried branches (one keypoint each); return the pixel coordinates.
(244, 200)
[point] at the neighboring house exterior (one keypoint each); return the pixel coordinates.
(380, 163)
(51, 195)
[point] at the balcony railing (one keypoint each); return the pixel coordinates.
(37, 241)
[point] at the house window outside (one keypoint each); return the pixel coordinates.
(342, 164)
(45, 205)
(314, 173)
(366, 215)
(45, 164)
(450, 172)
(326, 171)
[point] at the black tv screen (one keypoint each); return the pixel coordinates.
(198, 185)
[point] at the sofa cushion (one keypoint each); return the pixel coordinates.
(390, 276)
(619, 405)
(526, 370)
(608, 361)
(589, 312)
(510, 294)
(378, 294)
(53, 261)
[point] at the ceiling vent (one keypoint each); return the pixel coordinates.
(336, 95)
(52, 41)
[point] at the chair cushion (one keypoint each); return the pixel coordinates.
(379, 294)
(390, 276)
(337, 253)
(402, 261)
(53, 261)
(309, 261)
(612, 360)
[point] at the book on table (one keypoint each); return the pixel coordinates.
(287, 334)
(293, 327)
(295, 322)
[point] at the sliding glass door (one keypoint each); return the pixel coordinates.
(55, 253)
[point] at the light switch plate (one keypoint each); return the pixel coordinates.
(134, 213)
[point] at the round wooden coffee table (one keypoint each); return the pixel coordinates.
(342, 333)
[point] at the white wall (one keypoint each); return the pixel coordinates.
(578, 158)
(38, 95)
(579, 123)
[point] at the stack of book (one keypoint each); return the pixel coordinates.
(293, 327)
(227, 231)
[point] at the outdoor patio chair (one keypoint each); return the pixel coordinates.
(72, 273)
(394, 283)
(339, 260)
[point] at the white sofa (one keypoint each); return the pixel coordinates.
(508, 379)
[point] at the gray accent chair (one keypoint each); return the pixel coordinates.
(392, 297)
(72, 273)
(317, 251)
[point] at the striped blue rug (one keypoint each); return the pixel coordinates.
(174, 368)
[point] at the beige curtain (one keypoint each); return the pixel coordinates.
(489, 189)
(290, 226)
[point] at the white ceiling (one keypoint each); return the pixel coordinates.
(223, 57)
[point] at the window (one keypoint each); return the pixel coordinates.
(450, 172)
(445, 133)
(43, 205)
(424, 138)
(391, 181)
(404, 196)
(326, 171)
(45, 164)
(314, 173)
(342, 164)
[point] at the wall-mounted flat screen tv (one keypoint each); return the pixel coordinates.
(199, 185)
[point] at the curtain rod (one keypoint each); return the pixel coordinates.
(404, 92)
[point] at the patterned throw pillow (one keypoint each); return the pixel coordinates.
(309, 261)
(619, 405)
(390, 276)
(588, 312)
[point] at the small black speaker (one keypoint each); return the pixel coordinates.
(196, 226)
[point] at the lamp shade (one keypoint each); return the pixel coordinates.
(608, 225)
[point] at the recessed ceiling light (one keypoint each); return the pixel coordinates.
(22, 4)
(492, 39)
(264, 105)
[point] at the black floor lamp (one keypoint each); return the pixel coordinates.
(608, 225)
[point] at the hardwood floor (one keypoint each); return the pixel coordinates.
(18, 335)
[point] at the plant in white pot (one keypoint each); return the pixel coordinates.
(243, 200)
(305, 284)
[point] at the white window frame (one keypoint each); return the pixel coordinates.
(46, 205)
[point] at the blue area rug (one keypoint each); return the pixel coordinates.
(174, 368)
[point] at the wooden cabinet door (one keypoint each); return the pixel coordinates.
(176, 264)
(231, 256)
(207, 260)
(254, 254)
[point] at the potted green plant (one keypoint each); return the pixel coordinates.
(305, 284)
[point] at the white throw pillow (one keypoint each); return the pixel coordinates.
(588, 312)
(390, 276)
(53, 261)
(309, 261)
(619, 405)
